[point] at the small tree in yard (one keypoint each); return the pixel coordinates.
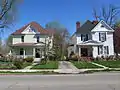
(60, 39)
(48, 52)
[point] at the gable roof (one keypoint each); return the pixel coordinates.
(86, 27)
(37, 26)
(102, 23)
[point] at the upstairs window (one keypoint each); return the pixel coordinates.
(37, 39)
(21, 51)
(22, 38)
(102, 26)
(102, 36)
(84, 37)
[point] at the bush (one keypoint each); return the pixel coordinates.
(43, 61)
(18, 64)
(29, 59)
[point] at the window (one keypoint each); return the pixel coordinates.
(102, 36)
(100, 50)
(84, 37)
(106, 50)
(22, 38)
(102, 26)
(37, 39)
(21, 51)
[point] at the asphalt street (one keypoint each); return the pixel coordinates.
(96, 81)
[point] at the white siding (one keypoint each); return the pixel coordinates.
(16, 39)
(78, 38)
(109, 43)
(95, 51)
(95, 36)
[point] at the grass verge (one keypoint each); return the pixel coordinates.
(28, 73)
(83, 64)
(48, 65)
(110, 64)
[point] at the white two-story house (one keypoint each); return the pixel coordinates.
(30, 41)
(92, 39)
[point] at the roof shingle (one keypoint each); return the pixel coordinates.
(38, 27)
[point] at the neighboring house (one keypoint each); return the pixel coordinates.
(92, 39)
(117, 40)
(31, 40)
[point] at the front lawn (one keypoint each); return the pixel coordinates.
(48, 65)
(25, 64)
(84, 65)
(11, 65)
(110, 64)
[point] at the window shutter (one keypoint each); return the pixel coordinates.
(99, 37)
(81, 37)
(98, 51)
(105, 36)
(107, 50)
(86, 37)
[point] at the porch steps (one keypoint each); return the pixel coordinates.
(37, 60)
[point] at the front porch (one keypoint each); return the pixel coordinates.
(24, 52)
(88, 49)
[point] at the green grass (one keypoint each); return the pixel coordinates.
(83, 64)
(110, 64)
(48, 65)
(25, 64)
(28, 73)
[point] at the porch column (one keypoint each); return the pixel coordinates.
(74, 48)
(24, 53)
(10, 53)
(33, 52)
(79, 51)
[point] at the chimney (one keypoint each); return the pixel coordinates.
(95, 22)
(77, 25)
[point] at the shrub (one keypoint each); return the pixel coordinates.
(18, 64)
(29, 59)
(74, 57)
(43, 61)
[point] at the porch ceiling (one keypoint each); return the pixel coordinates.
(90, 43)
(28, 44)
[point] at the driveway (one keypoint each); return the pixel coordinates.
(97, 81)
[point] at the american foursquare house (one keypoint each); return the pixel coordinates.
(92, 39)
(30, 40)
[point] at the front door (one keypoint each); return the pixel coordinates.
(84, 52)
(37, 53)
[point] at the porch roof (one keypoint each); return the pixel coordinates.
(91, 43)
(28, 44)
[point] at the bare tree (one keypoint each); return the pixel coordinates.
(7, 12)
(109, 15)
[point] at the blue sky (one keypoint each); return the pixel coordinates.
(67, 12)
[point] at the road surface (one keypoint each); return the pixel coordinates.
(97, 81)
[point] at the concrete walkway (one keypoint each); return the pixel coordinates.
(29, 67)
(67, 67)
(99, 65)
